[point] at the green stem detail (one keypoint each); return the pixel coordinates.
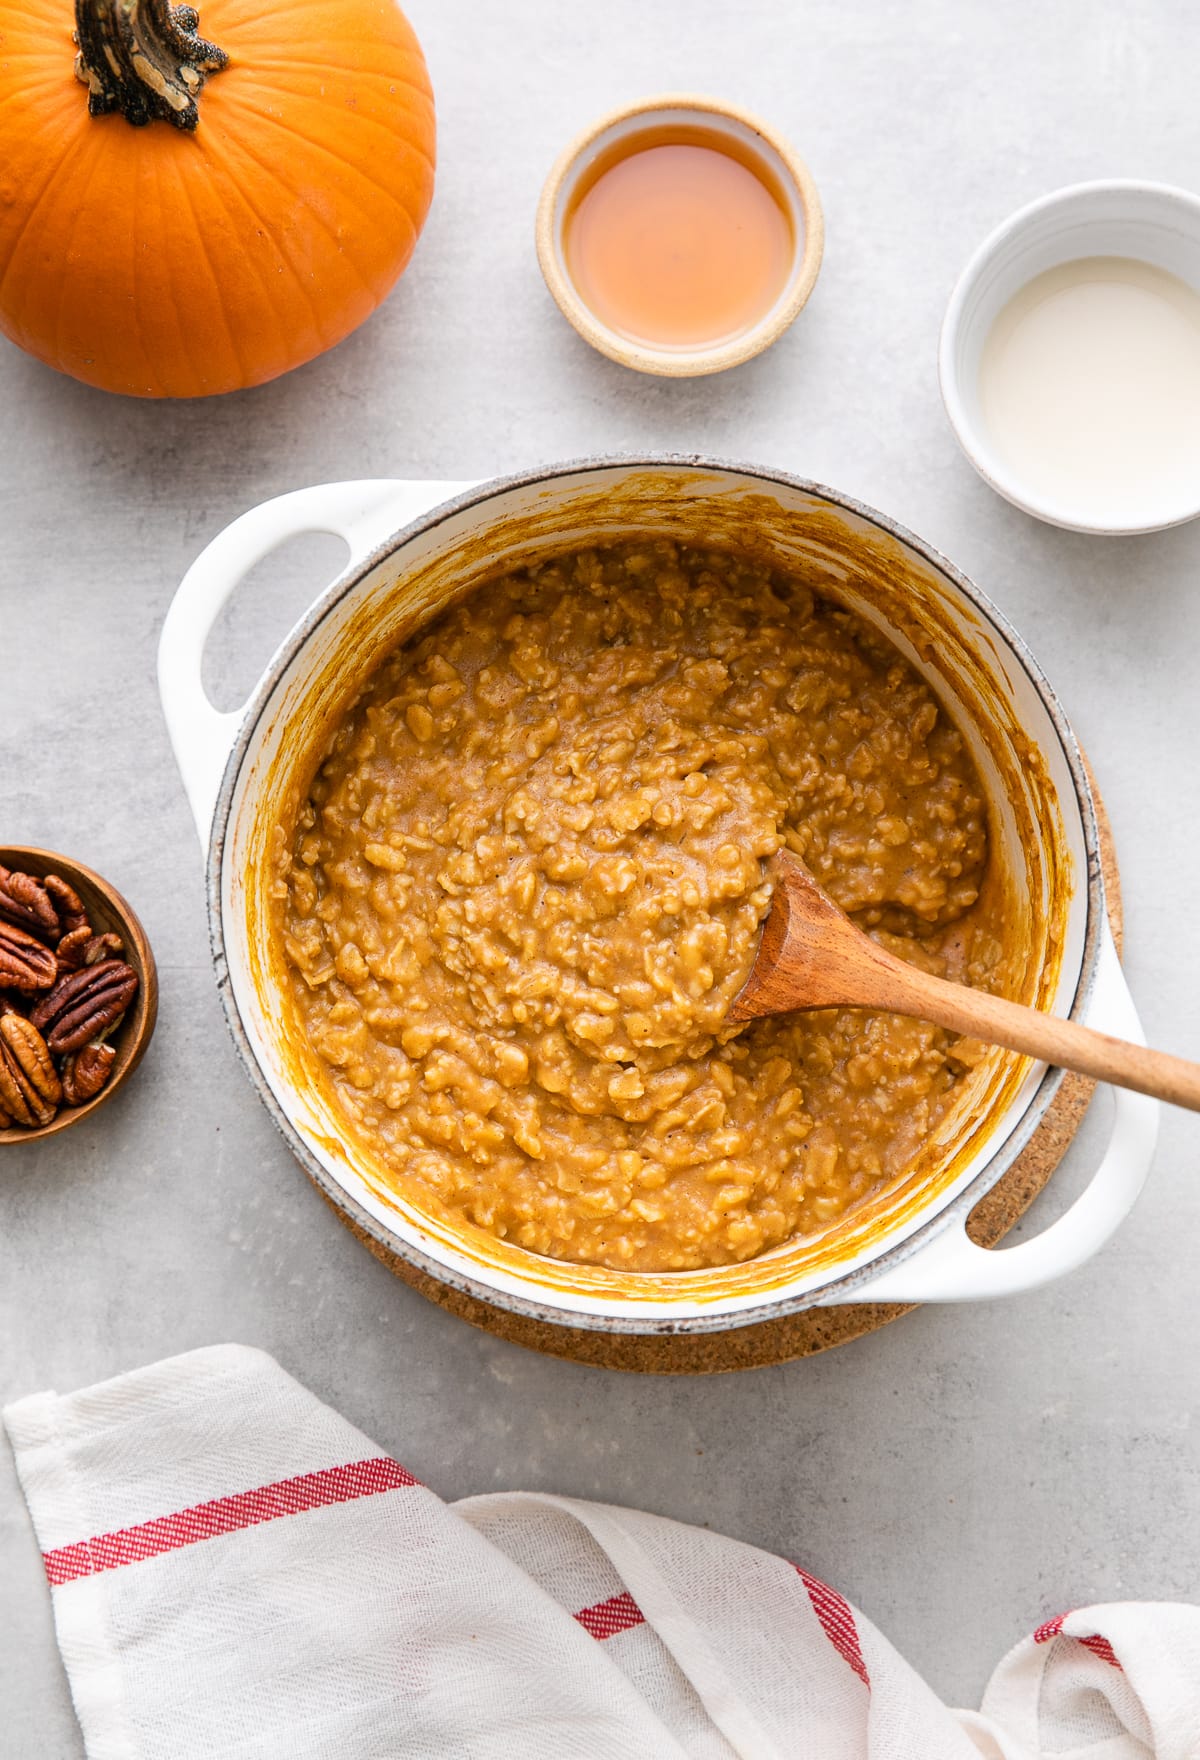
(143, 58)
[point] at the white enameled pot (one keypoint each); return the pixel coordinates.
(412, 548)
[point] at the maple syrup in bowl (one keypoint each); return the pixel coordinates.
(680, 236)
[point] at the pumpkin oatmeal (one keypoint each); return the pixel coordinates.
(528, 881)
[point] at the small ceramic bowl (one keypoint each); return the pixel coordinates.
(108, 913)
(793, 182)
(1150, 222)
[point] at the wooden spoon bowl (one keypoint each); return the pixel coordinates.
(810, 955)
(109, 913)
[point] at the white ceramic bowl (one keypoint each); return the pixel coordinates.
(794, 185)
(411, 552)
(1124, 218)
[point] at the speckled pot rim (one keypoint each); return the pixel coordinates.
(840, 1287)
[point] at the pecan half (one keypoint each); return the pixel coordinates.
(24, 963)
(29, 1088)
(70, 950)
(83, 948)
(27, 903)
(85, 1004)
(103, 947)
(69, 905)
(86, 1072)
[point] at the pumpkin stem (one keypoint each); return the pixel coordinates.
(143, 58)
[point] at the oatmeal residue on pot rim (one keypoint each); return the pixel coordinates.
(528, 881)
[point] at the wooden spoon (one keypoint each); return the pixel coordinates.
(812, 956)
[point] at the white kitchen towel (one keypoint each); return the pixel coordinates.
(237, 1572)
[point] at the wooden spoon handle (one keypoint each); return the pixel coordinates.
(1045, 1036)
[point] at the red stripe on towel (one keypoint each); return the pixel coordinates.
(837, 1622)
(1098, 1645)
(607, 1618)
(224, 1515)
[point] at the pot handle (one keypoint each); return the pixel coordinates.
(951, 1268)
(361, 513)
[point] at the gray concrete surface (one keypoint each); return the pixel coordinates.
(960, 1475)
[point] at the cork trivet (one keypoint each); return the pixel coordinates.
(815, 1329)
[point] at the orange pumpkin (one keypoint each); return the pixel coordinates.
(205, 214)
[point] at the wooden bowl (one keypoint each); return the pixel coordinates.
(108, 913)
